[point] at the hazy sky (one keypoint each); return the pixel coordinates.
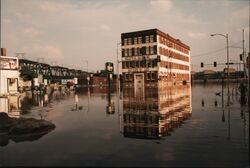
(69, 32)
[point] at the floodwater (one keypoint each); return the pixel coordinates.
(177, 126)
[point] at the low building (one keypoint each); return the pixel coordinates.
(9, 75)
(151, 56)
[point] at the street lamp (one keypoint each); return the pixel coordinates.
(226, 36)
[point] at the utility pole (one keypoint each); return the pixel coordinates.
(228, 72)
(243, 54)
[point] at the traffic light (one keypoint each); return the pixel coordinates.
(241, 58)
(215, 64)
(202, 65)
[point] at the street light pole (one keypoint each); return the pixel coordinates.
(226, 36)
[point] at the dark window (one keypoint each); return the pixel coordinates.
(123, 52)
(155, 49)
(137, 64)
(143, 51)
(133, 52)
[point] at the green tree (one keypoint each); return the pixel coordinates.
(27, 74)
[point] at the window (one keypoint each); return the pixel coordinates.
(148, 76)
(154, 63)
(135, 40)
(151, 38)
(129, 41)
(135, 51)
(126, 52)
(127, 65)
(149, 63)
(152, 50)
(147, 50)
(132, 64)
(130, 52)
(125, 41)
(153, 75)
(137, 64)
(147, 39)
(126, 76)
(139, 40)
(138, 51)
(160, 50)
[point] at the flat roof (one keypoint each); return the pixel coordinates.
(154, 31)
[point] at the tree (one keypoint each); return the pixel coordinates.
(27, 74)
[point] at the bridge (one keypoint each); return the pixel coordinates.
(54, 73)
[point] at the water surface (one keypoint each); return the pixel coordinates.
(174, 127)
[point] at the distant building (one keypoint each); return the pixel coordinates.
(231, 70)
(9, 74)
(152, 58)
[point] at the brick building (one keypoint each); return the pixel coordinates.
(152, 58)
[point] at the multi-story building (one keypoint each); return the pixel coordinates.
(152, 55)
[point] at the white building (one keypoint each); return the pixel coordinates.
(9, 75)
(154, 58)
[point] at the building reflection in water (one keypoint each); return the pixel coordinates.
(153, 113)
(11, 105)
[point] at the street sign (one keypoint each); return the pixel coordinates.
(109, 66)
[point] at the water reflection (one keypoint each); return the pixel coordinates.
(11, 106)
(18, 124)
(153, 113)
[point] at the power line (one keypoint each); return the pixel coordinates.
(211, 52)
(215, 51)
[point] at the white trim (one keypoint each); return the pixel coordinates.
(168, 70)
(174, 60)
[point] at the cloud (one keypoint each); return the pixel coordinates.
(161, 4)
(197, 35)
(104, 27)
(31, 32)
(39, 50)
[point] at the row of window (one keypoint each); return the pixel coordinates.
(140, 64)
(139, 51)
(176, 76)
(141, 118)
(145, 131)
(171, 44)
(140, 106)
(172, 54)
(139, 40)
(172, 65)
(150, 76)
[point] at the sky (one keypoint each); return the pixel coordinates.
(83, 34)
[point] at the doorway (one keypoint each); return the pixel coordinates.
(139, 85)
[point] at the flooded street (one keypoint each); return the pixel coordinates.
(178, 126)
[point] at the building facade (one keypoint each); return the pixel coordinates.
(9, 75)
(152, 58)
